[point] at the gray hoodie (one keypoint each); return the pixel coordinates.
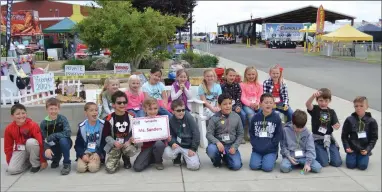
(289, 143)
(220, 125)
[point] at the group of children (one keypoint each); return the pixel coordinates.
(106, 137)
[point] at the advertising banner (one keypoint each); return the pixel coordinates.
(23, 22)
(7, 29)
(320, 20)
(282, 31)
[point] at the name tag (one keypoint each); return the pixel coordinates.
(226, 138)
(298, 153)
(121, 140)
(233, 102)
(91, 145)
(20, 147)
(179, 140)
(322, 130)
(136, 109)
(362, 135)
(263, 134)
(277, 99)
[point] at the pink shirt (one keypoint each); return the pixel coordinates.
(250, 93)
(135, 101)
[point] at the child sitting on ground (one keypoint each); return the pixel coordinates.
(279, 90)
(265, 133)
(208, 92)
(89, 153)
(111, 85)
(135, 96)
(180, 89)
(56, 132)
(224, 134)
(359, 135)
(151, 152)
(233, 88)
(297, 145)
(155, 88)
(324, 121)
(116, 135)
(23, 144)
(185, 137)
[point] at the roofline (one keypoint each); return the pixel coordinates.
(244, 21)
(51, 18)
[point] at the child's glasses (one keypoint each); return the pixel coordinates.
(121, 102)
(180, 110)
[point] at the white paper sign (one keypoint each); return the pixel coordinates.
(43, 82)
(74, 70)
(147, 129)
(122, 68)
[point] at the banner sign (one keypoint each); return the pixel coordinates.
(282, 31)
(8, 26)
(43, 82)
(147, 129)
(23, 22)
(122, 68)
(71, 70)
(320, 20)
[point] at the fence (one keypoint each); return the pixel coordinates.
(25, 97)
(65, 84)
(371, 51)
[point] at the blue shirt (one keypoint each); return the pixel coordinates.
(92, 134)
(215, 91)
(154, 91)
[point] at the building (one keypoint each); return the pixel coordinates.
(51, 12)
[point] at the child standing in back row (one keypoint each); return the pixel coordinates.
(359, 135)
(135, 96)
(251, 90)
(155, 88)
(209, 92)
(111, 85)
(279, 90)
(324, 121)
(180, 89)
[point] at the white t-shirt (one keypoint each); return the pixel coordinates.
(12, 47)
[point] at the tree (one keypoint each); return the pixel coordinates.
(127, 32)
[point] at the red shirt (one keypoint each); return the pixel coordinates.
(14, 135)
(276, 90)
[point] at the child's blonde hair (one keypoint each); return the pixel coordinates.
(281, 72)
(106, 84)
(204, 83)
(130, 80)
(248, 69)
(149, 102)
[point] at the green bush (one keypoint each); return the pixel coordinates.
(206, 61)
(87, 63)
(190, 57)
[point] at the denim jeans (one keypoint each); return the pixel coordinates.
(288, 113)
(264, 162)
(286, 166)
(323, 158)
(61, 148)
(249, 112)
(243, 116)
(138, 113)
(12, 53)
(233, 161)
(357, 160)
(163, 111)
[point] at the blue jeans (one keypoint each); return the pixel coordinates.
(163, 111)
(357, 160)
(61, 148)
(249, 112)
(138, 113)
(263, 162)
(12, 53)
(288, 113)
(233, 161)
(286, 166)
(323, 158)
(243, 116)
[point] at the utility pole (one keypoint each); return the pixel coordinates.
(191, 30)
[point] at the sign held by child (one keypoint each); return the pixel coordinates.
(147, 129)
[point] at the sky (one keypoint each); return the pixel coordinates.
(208, 13)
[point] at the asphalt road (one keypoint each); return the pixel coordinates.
(346, 79)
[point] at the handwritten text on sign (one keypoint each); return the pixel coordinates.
(74, 70)
(150, 129)
(43, 82)
(122, 68)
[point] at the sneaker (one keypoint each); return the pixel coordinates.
(66, 169)
(35, 169)
(217, 165)
(177, 161)
(159, 166)
(54, 165)
(126, 162)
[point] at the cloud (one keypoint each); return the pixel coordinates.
(209, 13)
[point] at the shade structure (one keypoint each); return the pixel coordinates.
(347, 33)
(312, 29)
(369, 27)
(64, 26)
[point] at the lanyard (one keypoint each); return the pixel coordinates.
(91, 133)
(298, 136)
(226, 124)
(47, 128)
(361, 126)
(180, 129)
(264, 127)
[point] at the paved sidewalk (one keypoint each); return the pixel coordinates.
(210, 178)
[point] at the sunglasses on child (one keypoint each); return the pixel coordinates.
(121, 102)
(180, 110)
